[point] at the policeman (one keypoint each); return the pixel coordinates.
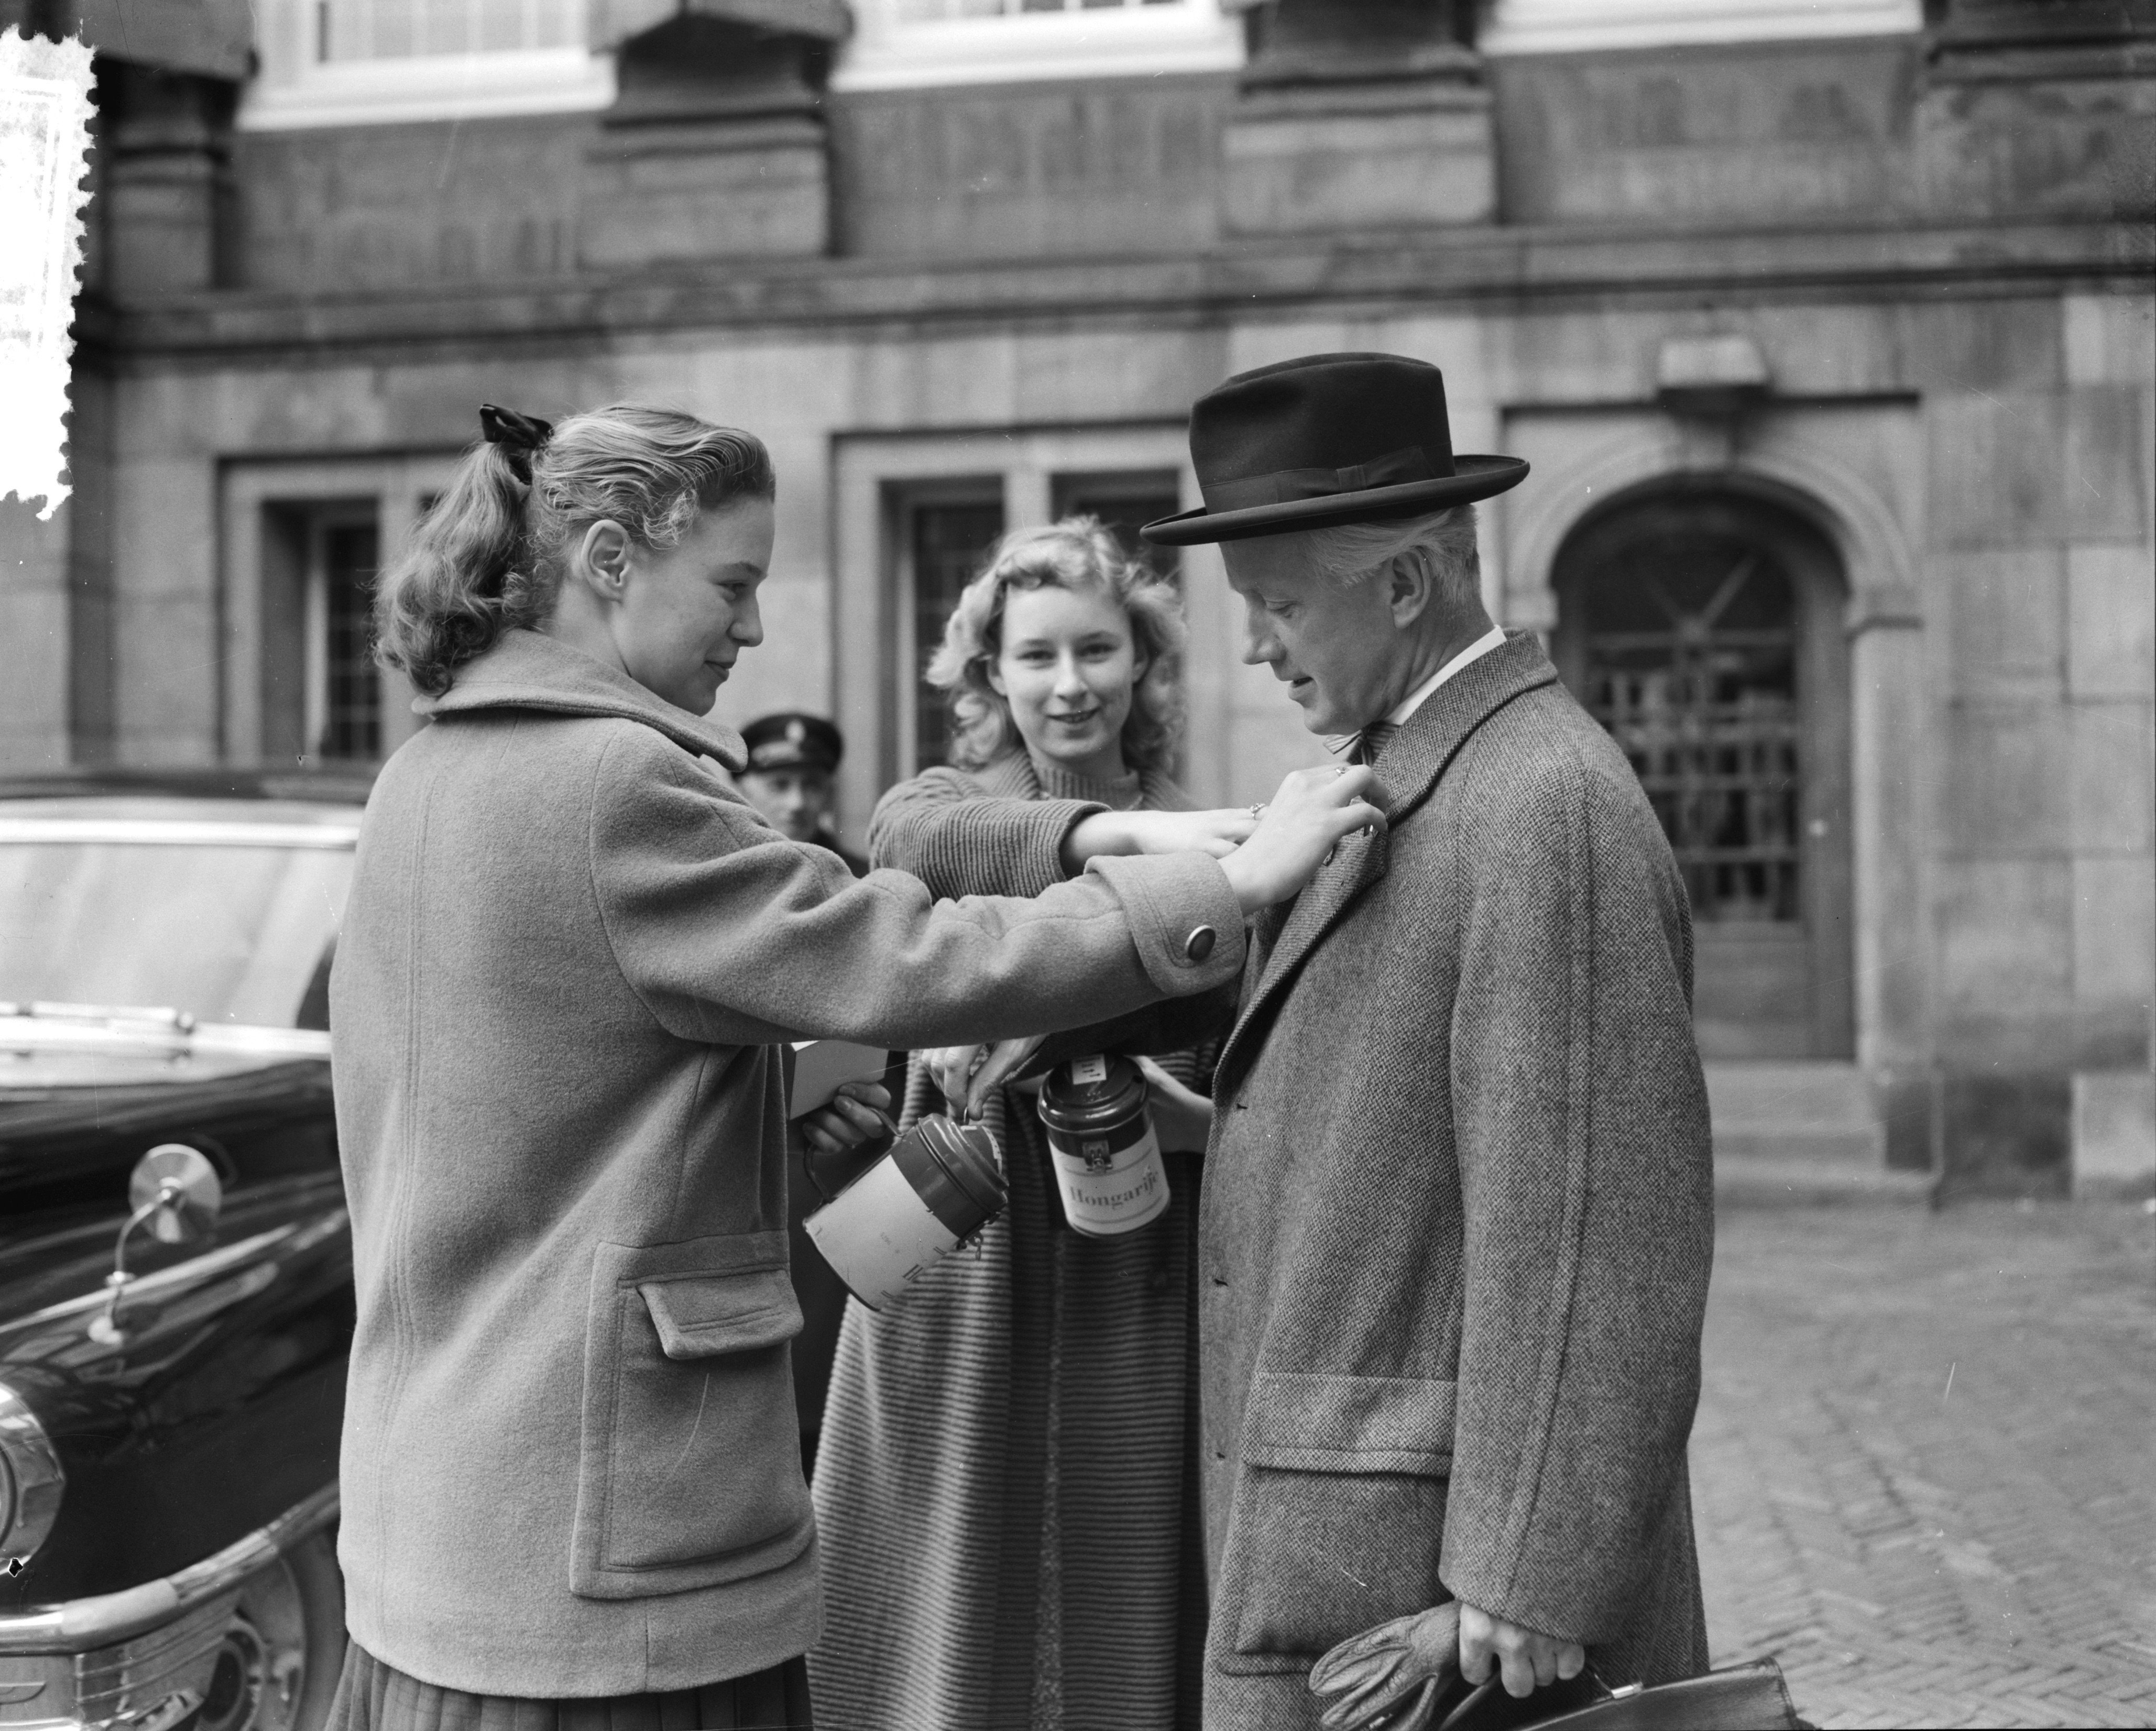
(791, 761)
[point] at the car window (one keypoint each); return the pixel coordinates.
(227, 933)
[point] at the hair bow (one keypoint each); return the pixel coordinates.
(519, 435)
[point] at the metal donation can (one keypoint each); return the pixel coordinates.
(1101, 1138)
(940, 1183)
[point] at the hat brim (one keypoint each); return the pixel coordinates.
(1474, 477)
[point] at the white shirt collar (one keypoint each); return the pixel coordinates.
(1494, 638)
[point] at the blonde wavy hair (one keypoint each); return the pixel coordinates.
(1078, 554)
(488, 556)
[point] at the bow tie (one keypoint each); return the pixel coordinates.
(1371, 740)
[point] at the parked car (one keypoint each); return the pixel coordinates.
(176, 1304)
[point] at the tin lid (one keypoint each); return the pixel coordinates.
(1092, 1094)
(953, 1169)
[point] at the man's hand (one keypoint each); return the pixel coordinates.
(1530, 1659)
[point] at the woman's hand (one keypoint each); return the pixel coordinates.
(1217, 833)
(857, 1116)
(1182, 1117)
(952, 1067)
(1313, 810)
(968, 1074)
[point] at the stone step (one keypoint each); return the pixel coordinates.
(1801, 1134)
(1800, 1141)
(1786, 1180)
(1819, 1098)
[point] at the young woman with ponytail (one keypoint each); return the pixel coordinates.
(572, 1486)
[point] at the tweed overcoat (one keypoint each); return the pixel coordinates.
(1458, 1217)
(570, 1463)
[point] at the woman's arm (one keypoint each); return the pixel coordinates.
(959, 840)
(732, 937)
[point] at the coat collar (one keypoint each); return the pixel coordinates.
(1415, 756)
(529, 670)
(1412, 762)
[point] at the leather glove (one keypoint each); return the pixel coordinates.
(1393, 1677)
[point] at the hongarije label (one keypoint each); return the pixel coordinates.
(1101, 1143)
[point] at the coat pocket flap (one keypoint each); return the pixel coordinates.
(1309, 1423)
(701, 1315)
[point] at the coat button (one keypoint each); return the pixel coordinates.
(1200, 944)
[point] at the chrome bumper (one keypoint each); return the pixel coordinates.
(139, 1658)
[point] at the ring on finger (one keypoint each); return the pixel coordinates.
(1257, 812)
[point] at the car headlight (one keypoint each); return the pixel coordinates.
(31, 1482)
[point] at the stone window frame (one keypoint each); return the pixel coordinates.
(887, 52)
(295, 90)
(1556, 27)
(255, 495)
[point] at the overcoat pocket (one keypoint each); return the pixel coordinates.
(1338, 1518)
(690, 1466)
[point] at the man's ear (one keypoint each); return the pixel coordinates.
(1411, 587)
(601, 559)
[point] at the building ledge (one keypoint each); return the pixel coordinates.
(1452, 266)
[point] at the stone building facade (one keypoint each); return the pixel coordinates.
(1826, 327)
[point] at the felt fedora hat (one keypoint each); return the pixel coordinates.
(1326, 440)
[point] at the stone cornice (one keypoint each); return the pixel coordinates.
(1482, 269)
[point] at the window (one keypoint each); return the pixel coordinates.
(335, 62)
(946, 540)
(303, 542)
(1528, 26)
(342, 710)
(902, 43)
(1124, 501)
(322, 697)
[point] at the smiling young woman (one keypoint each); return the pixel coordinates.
(1019, 1433)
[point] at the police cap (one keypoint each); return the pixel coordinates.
(789, 741)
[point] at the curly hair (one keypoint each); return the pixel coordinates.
(1078, 554)
(488, 556)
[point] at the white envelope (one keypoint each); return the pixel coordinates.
(819, 1065)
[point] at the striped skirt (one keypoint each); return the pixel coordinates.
(1006, 1493)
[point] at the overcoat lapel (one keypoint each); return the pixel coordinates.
(1413, 761)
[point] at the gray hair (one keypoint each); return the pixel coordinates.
(1444, 541)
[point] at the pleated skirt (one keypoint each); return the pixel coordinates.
(373, 1695)
(1006, 1491)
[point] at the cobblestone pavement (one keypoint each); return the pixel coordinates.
(1925, 1463)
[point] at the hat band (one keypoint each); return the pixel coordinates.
(1409, 463)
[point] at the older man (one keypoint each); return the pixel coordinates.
(1458, 1209)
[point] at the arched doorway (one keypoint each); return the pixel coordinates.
(1704, 629)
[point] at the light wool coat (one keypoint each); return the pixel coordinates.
(570, 1466)
(1457, 1218)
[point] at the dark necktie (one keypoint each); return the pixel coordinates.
(1371, 740)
